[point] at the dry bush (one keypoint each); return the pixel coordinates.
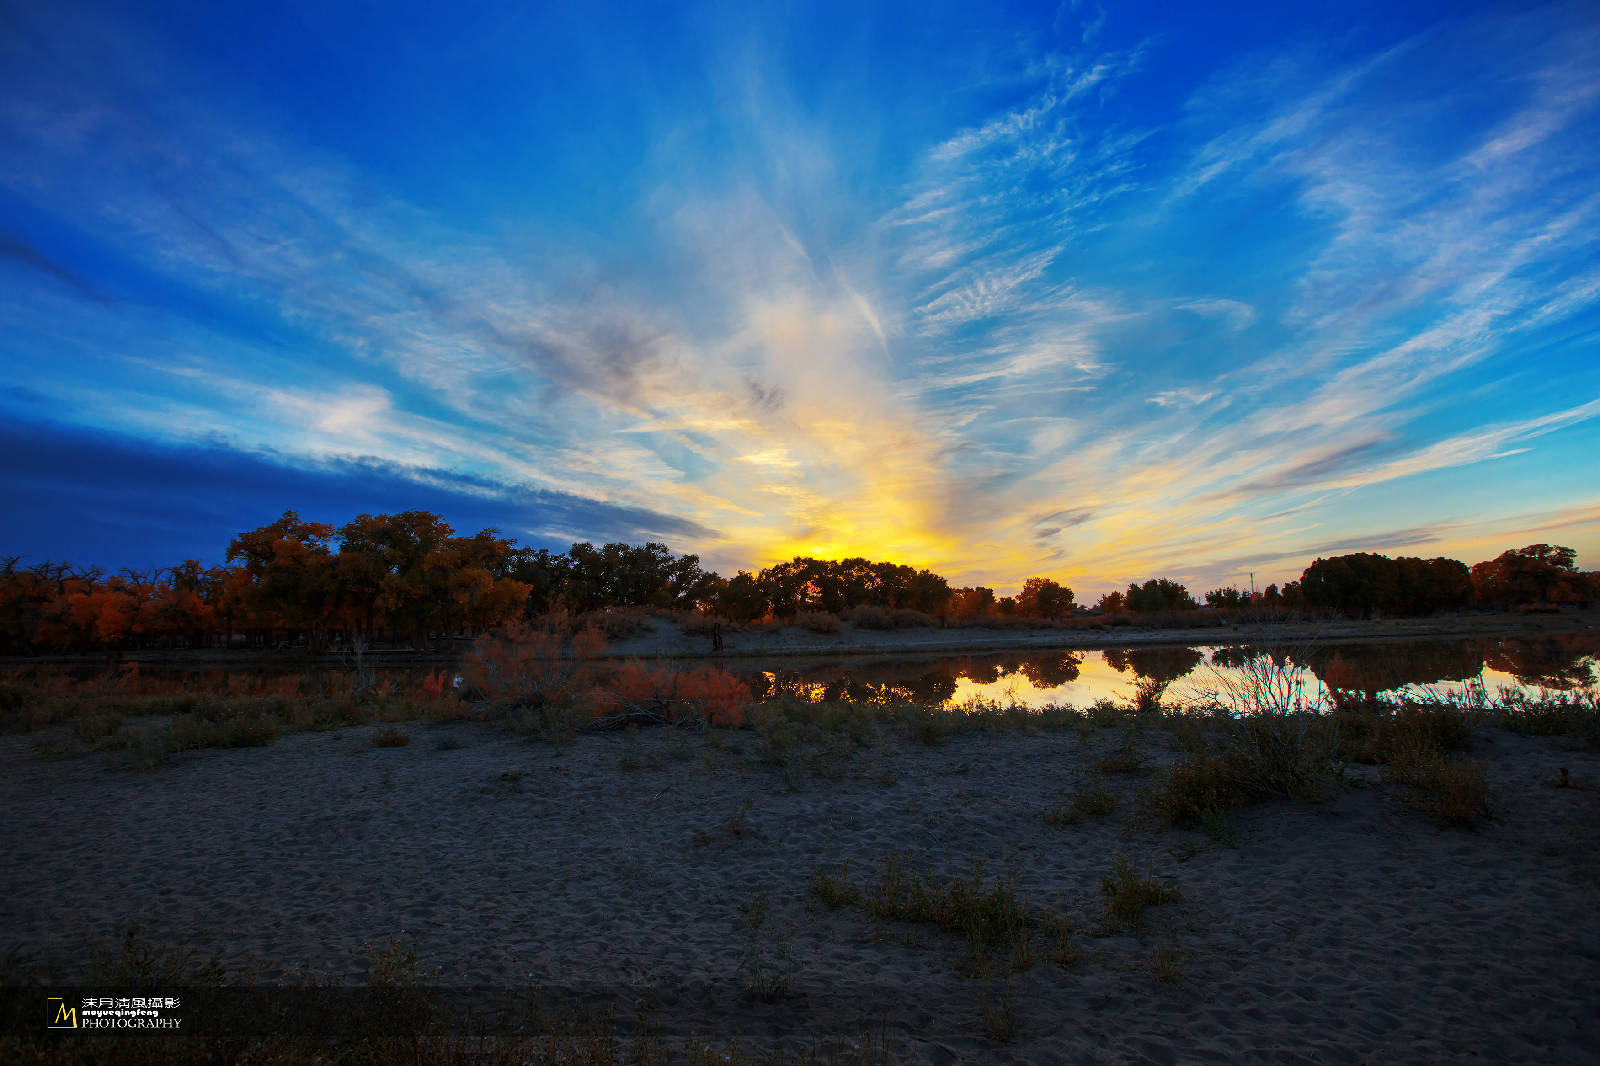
(390, 737)
(637, 692)
(695, 624)
(818, 621)
(1411, 733)
(1575, 714)
(1125, 760)
(615, 623)
(1196, 788)
(990, 917)
(532, 666)
(882, 618)
(1276, 736)
(1454, 789)
(1128, 894)
(870, 617)
(1147, 693)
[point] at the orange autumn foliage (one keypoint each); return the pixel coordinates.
(709, 692)
(527, 665)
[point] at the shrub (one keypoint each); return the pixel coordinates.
(1411, 733)
(695, 624)
(818, 621)
(1147, 693)
(235, 731)
(989, 917)
(1092, 803)
(615, 623)
(1128, 894)
(1125, 760)
(436, 686)
(1452, 789)
(871, 617)
(531, 666)
(1195, 788)
(665, 695)
(1291, 756)
(389, 737)
(1276, 737)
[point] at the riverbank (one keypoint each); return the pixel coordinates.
(722, 883)
(666, 641)
(664, 638)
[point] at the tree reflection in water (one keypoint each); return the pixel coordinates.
(1562, 661)
(1355, 673)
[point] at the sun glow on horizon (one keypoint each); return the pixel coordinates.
(1014, 292)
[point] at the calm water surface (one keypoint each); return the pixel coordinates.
(1562, 662)
(1079, 678)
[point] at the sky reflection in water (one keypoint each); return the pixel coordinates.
(1079, 678)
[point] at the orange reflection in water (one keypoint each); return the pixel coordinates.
(1080, 678)
(1097, 680)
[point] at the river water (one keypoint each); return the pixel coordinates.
(1079, 678)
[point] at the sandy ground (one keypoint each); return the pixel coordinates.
(1350, 932)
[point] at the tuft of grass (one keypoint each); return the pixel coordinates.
(1409, 734)
(1125, 760)
(736, 824)
(1221, 827)
(630, 759)
(1453, 789)
(1105, 713)
(139, 962)
(999, 1015)
(235, 731)
(835, 892)
(988, 916)
(767, 967)
(1167, 963)
(390, 737)
(1086, 803)
(1128, 893)
(1197, 788)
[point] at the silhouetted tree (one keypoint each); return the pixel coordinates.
(1159, 594)
(1043, 598)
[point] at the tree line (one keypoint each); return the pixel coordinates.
(409, 578)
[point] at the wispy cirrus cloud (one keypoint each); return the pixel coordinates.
(1055, 329)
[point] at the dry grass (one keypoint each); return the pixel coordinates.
(1128, 894)
(1197, 788)
(1453, 789)
(1094, 802)
(390, 737)
(1125, 760)
(823, 622)
(994, 923)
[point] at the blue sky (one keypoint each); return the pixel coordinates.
(1099, 292)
